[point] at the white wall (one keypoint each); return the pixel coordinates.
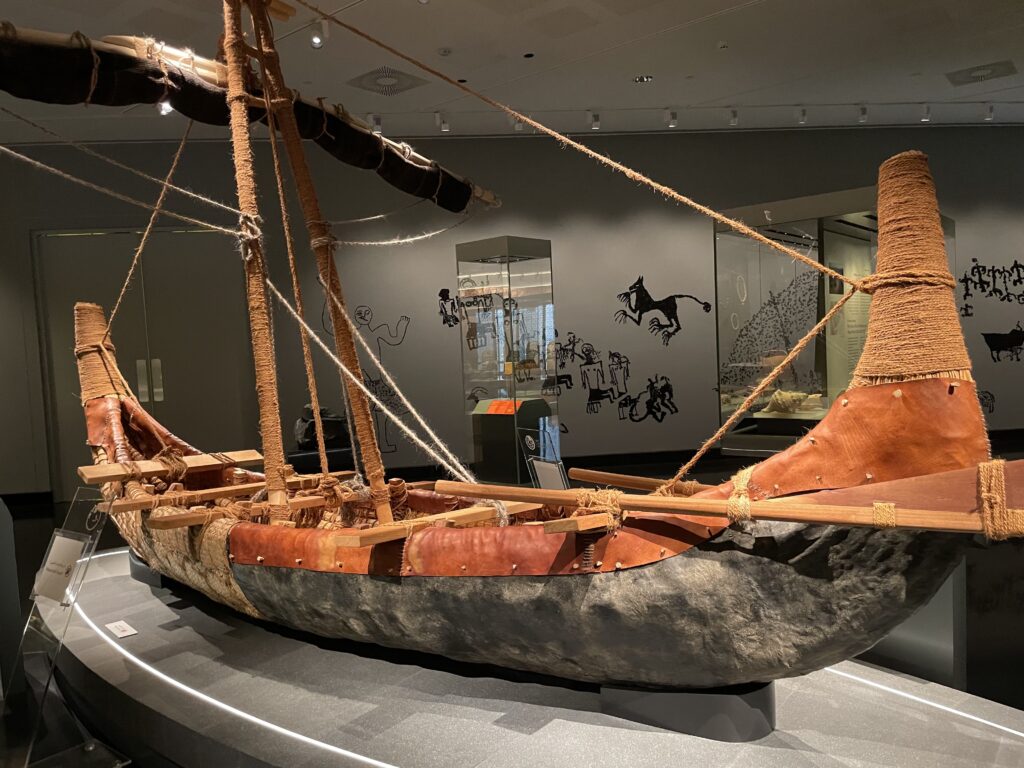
(604, 232)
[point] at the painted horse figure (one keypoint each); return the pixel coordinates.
(639, 302)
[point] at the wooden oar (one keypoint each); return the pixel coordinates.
(789, 510)
(636, 482)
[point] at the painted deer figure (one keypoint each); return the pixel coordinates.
(639, 302)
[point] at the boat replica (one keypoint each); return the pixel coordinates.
(798, 562)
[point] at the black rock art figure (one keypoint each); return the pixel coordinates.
(618, 370)
(384, 337)
(639, 302)
(552, 385)
(476, 311)
(990, 281)
(987, 400)
(1005, 342)
(655, 402)
(593, 378)
(448, 308)
(567, 351)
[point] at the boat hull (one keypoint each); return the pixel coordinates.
(777, 601)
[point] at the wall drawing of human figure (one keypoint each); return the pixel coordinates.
(384, 337)
(593, 378)
(618, 370)
(448, 308)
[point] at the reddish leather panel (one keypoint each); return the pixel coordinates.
(931, 425)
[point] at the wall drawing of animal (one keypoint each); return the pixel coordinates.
(1005, 342)
(987, 400)
(639, 302)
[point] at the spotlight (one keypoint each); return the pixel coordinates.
(801, 116)
(862, 115)
(442, 123)
(643, 79)
(990, 113)
(375, 122)
(594, 119)
(164, 107)
(319, 35)
(517, 126)
(926, 113)
(734, 118)
(671, 119)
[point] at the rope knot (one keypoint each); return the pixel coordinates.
(908, 278)
(592, 501)
(998, 520)
(738, 506)
(170, 456)
(249, 233)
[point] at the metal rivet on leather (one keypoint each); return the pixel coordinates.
(898, 394)
(259, 558)
(845, 402)
(298, 561)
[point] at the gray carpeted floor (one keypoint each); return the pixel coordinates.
(422, 712)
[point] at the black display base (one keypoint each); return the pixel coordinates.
(140, 571)
(736, 713)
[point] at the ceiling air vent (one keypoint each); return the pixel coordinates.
(386, 81)
(982, 72)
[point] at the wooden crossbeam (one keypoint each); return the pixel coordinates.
(636, 482)
(579, 523)
(400, 530)
(189, 498)
(189, 519)
(96, 474)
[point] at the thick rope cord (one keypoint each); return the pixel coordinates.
(738, 506)
(307, 355)
(458, 472)
(417, 416)
(666, 488)
(116, 195)
(998, 520)
(118, 164)
(564, 140)
(154, 215)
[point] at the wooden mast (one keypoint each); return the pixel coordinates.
(281, 102)
(255, 268)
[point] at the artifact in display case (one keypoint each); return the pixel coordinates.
(507, 313)
(767, 301)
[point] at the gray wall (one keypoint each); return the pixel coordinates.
(604, 232)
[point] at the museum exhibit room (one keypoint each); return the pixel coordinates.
(511, 383)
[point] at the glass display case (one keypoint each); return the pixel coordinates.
(767, 302)
(506, 311)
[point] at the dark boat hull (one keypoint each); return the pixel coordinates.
(778, 602)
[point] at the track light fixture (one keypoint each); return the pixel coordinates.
(926, 113)
(801, 116)
(594, 119)
(376, 124)
(671, 118)
(442, 123)
(517, 126)
(990, 113)
(318, 36)
(734, 118)
(862, 114)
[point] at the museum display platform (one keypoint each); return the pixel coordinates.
(201, 685)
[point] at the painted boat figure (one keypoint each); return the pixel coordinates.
(798, 562)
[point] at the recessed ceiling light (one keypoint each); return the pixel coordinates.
(319, 35)
(445, 51)
(722, 45)
(643, 79)
(462, 80)
(529, 55)
(424, 2)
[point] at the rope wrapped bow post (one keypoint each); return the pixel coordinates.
(999, 521)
